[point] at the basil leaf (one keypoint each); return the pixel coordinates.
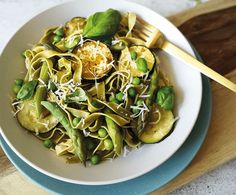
(165, 98)
(102, 24)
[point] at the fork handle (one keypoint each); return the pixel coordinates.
(183, 56)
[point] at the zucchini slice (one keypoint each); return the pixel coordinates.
(125, 61)
(96, 58)
(156, 132)
(28, 119)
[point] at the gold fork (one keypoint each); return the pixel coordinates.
(153, 38)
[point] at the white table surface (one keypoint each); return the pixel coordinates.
(14, 13)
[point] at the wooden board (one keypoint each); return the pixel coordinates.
(219, 146)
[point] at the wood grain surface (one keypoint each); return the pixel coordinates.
(214, 36)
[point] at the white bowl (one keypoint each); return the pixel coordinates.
(187, 83)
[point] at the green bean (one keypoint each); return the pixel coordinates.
(75, 136)
(27, 90)
(148, 101)
(41, 91)
(115, 134)
(152, 88)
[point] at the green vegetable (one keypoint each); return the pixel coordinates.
(41, 91)
(142, 65)
(120, 96)
(108, 144)
(90, 144)
(48, 143)
(136, 81)
(95, 159)
(19, 82)
(16, 88)
(113, 99)
(149, 102)
(71, 43)
(115, 133)
(140, 102)
(132, 92)
(133, 55)
(78, 96)
(96, 104)
(76, 121)
(135, 110)
(152, 88)
(27, 90)
(75, 136)
(102, 132)
(52, 86)
(56, 39)
(59, 32)
(102, 24)
(165, 97)
(119, 46)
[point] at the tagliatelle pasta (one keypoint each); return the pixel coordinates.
(91, 89)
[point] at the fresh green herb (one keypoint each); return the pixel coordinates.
(102, 24)
(52, 86)
(165, 97)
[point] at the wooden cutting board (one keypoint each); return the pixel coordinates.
(214, 35)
